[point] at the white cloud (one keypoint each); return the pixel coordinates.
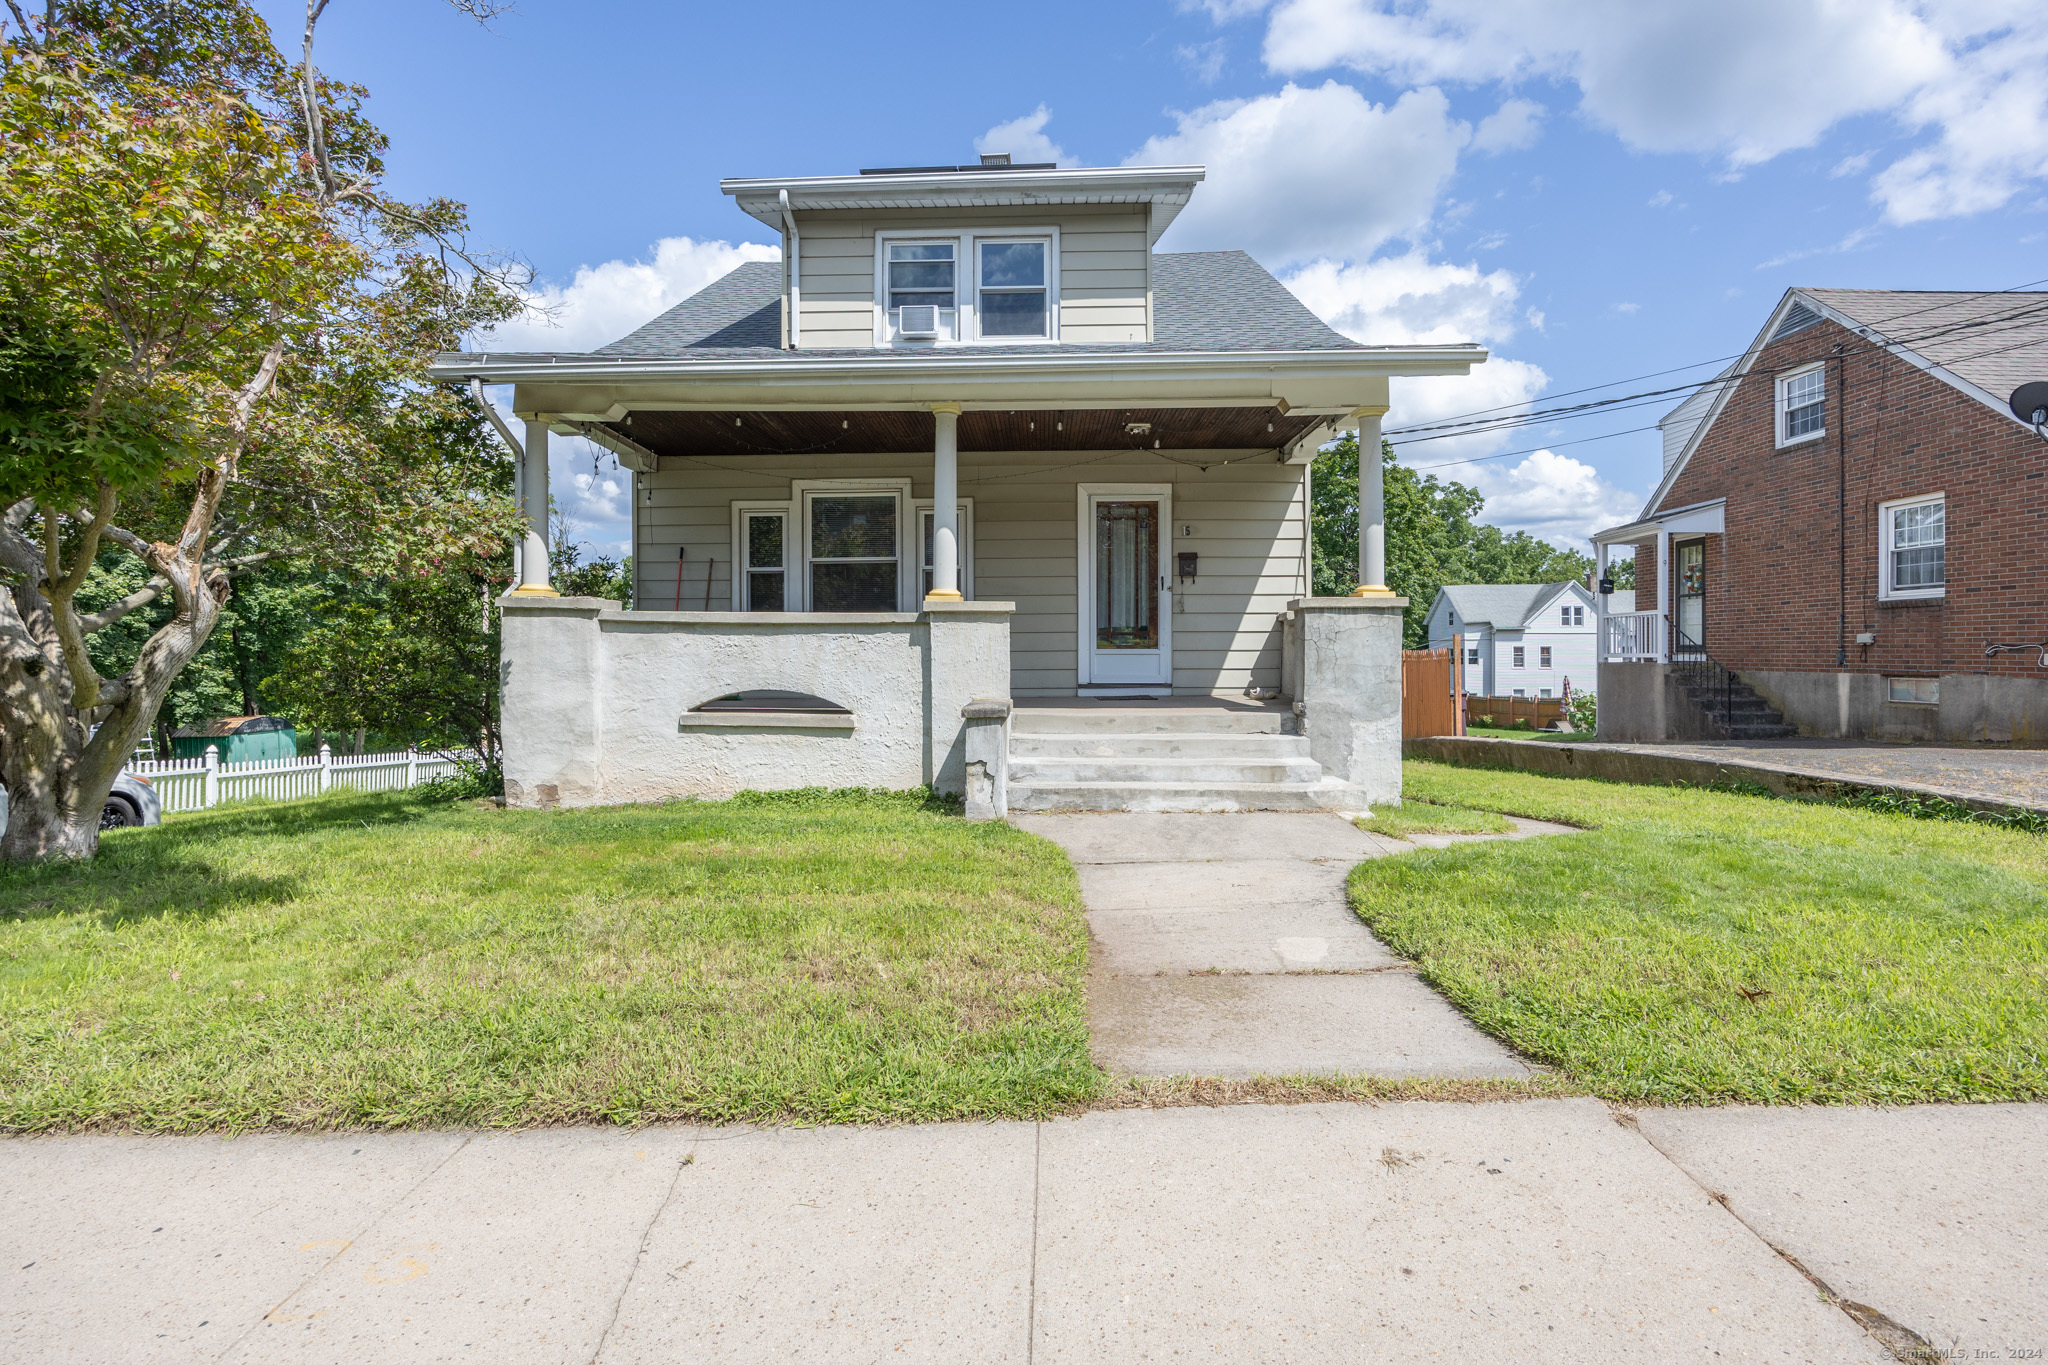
(1741, 80)
(605, 302)
(1662, 199)
(1515, 125)
(1204, 61)
(1310, 171)
(1411, 299)
(1223, 11)
(1628, 308)
(1025, 140)
(1549, 495)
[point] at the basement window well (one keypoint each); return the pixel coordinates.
(772, 708)
(1913, 691)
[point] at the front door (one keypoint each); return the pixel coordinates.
(1692, 598)
(1126, 599)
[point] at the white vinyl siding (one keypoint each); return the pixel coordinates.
(1102, 267)
(1246, 521)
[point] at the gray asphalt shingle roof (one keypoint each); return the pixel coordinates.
(1201, 301)
(1995, 341)
(1504, 606)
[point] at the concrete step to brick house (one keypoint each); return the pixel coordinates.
(1264, 748)
(1034, 771)
(1737, 712)
(1326, 793)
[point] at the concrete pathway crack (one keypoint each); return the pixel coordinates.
(688, 1158)
(1900, 1341)
(367, 1229)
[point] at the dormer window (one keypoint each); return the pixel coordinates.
(996, 288)
(1012, 300)
(921, 278)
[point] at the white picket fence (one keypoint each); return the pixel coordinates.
(187, 784)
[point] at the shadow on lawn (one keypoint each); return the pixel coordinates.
(165, 871)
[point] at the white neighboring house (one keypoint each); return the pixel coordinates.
(1521, 639)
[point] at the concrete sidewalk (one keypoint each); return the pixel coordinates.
(1539, 1230)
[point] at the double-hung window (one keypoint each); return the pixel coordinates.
(1912, 547)
(1012, 296)
(853, 550)
(1543, 657)
(1802, 407)
(921, 276)
(944, 289)
(1521, 656)
(764, 549)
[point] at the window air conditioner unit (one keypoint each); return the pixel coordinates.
(918, 320)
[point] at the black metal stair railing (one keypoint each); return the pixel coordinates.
(1709, 681)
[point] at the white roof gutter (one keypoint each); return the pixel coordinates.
(1379, 360)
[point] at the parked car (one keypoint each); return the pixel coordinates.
(132, 802)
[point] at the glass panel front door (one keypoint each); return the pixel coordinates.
(1129, 604)
(1692, 598)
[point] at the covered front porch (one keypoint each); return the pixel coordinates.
(1669, 622)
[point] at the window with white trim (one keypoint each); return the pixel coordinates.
(1013, 289)
(922, 276)
(853, 551)
(1912, 547)
(1521, 656)
(763, 553)
(1471, 656)
(1543, 657)
(1802, 407)
(967, 287)
(1573, 616)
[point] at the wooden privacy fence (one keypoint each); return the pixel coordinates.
(1506, 713)
(188, 784)
(1431, 681)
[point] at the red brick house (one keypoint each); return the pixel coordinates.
(1847, 537)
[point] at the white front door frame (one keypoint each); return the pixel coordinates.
(1087, 495)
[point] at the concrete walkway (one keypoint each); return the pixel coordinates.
(1224, 947)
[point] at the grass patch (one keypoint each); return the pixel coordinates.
(1554, 736)
(1698, 946)
(388, 961)
(1416, 816)
(1188, 1092)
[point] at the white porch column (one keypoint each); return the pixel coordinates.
(533, 503)
(1599, 602)
(1372, 507)
(1664, 596)
(945, 502)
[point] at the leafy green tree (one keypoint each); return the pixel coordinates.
(1432, 537)
(214, 324)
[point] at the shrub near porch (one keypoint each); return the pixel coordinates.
(1698, 946)
(385, 961)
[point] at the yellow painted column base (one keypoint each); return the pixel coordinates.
(943, 597)
(528, 590)
(1363, 591)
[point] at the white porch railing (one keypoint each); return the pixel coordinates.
(1632, 636)
(189, 784)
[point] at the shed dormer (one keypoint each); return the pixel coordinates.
(991, 255)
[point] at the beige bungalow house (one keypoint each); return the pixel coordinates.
(974, 488)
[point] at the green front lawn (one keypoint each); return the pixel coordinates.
(383, 960)
(1552, 736)
(1697, 946)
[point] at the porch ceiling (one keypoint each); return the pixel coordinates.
(869, 432)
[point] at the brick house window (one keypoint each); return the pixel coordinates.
(1802, 405)
(1912, 547)
(1521, 657)
(1543, 657)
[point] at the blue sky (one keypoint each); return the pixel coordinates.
(1596, 189)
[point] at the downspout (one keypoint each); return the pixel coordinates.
(476, 392)
(796, 266)
(1841, 509)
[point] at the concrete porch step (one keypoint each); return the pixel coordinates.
(1236, 771)
(1326, 793)
(1131, 718)
(1258, 747)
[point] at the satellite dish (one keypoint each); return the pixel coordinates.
(2030, 403)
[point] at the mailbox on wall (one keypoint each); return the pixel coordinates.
(1187, 565)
